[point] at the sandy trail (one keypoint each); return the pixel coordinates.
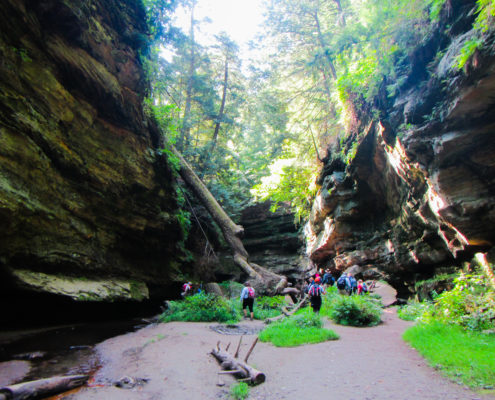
(366, 363)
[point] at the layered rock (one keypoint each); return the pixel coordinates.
(419, 192)
(272, 239)
(83, 194)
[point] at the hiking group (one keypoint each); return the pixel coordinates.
(346, 284)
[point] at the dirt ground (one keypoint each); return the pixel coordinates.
(366, 363)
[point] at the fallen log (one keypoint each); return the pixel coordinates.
(240, 368)
(42, 387)
(287, 314)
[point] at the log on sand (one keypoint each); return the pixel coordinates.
(42, 388)
(240, 368)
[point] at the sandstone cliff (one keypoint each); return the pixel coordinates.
(419, 193)
(87, 207)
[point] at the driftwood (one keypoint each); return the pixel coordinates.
(286, 313)
(240, 368)
(42, 388)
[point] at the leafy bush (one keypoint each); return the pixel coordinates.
(202, 307)
(296, 330)
(466, 357)
(268, 307)
(413, 311)
(239, 391)
(470, 304)
(355, 311)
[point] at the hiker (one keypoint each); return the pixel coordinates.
(247, 297)
(315, 293)
(361, 287)
(342, 284)
(328, 278)
(186, 288)
(352, 289)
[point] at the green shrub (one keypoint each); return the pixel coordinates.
(239, 391)
(355, 311)
(202, 307)
(268, 307)
(413, 311)
(470, 304)
(466, 357)
(303, 328)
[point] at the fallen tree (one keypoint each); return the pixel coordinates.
(240, 368)
(42, 388)
(263, 280)
(286, 313)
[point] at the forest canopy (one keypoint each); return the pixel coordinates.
(260, 131)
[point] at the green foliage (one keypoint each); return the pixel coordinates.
(289, 182)
(268, 307)
(296, 330)
(467, 50)
(486, 14)
(355, 311)
(202, 307)
(483, 23)
(466, 357)
(435, 8)
(470, 304)
(413, 311)
(239, 391)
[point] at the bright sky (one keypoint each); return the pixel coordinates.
(240, 19)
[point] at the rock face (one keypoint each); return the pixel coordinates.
(420, 191)
(272, 239)
(83, 194)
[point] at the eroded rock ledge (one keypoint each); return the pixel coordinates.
(420, 192)
(83, 194)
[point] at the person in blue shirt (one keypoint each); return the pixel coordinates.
(247, 297)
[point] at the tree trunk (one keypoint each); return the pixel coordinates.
(184, 137)
(42, 388)
(232, 365)
(222, 105)
(263, 280)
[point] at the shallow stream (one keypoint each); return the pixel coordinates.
(58, 350)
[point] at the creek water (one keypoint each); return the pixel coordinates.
(62, 349)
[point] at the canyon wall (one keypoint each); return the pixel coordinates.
(87, 205)
(418, 195)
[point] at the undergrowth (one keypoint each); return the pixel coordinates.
(268, 307)
(202, 307)
(296, 330)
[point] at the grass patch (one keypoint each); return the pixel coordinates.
(202, 307)
(239, 391)
(465, 357)
(299, 329)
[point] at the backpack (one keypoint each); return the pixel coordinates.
(365, 288)
(250, 293)
(352, 282)
(315, 291)
(341, 283)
